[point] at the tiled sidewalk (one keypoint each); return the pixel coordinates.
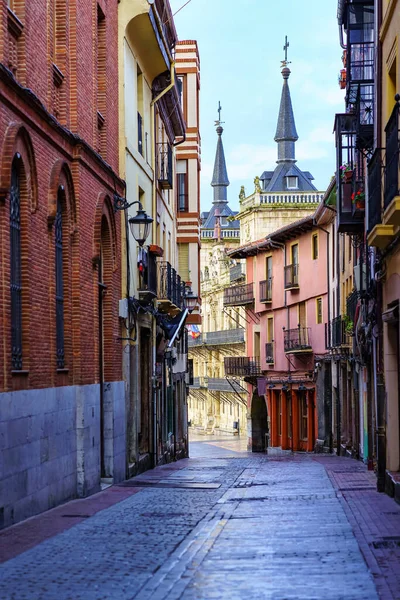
(374, 517)
(27, 534)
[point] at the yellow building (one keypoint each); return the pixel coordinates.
(384, 234)
(154, 304)
(215, 403)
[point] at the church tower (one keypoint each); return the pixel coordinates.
(285, 194)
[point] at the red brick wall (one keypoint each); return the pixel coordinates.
(53, 156)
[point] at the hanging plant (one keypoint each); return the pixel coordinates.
(358, 199)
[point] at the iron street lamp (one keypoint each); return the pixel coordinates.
(190, 299)
(140, 223)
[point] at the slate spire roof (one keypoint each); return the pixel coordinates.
(220, 179)
(286, 137)
(220, 210)
(286, 134)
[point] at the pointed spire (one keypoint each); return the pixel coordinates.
(286, 134)
(220, 179)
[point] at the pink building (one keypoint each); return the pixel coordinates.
(287, 305)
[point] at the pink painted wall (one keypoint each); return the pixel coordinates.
(312, 284)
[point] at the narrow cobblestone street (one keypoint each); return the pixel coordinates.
(223, 524)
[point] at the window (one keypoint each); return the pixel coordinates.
(295, 254)
(140, 109)
(315, 246)
(15, 268)
(182, 185)
(319, 310)
(303, 415)
(58, 230)
(270, 329)
(292, 183)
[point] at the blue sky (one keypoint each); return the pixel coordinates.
(241, 46)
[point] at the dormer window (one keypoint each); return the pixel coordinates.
(292, 182)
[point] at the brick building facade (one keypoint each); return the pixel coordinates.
(62, 405)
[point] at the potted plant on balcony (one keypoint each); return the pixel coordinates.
(358, 200)
(348, 325)
(346, 172)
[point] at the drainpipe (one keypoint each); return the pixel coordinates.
(154, 236)
(329, 295)
(338, 411)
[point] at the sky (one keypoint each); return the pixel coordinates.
(241, 48)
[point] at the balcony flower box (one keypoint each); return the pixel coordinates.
(358, 200)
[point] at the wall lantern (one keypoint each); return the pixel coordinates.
(140, 223)
(190, 298)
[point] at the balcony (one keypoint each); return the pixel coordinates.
(349, 174)
(337, 333)
(222, 385)
(193, 342)
(242, 366)
(391, 199)
(147, 289)
(164, 165)
(266, 290)
(239, 295)
(292, 277)
(217, 338)
(236, 272)
(351, 304)
(379, 234)
(170, 291)
(230, 336)
(297, 341)
(269, 353)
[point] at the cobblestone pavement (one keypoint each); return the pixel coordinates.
(223, 524)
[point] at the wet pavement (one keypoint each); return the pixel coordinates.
(223, 524)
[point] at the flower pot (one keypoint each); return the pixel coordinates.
(360, 204)
(348, 176)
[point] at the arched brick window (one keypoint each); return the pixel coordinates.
(15, 265)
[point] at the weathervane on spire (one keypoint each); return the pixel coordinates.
(286, 62)
(218, 122)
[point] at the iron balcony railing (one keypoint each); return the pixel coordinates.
(375, 172)
(222, 385)
(215, 338)
(230, 336)
(236, 273)
(164, 165)
(199, 341)
(297, 340)
(239, 295)
(269, 353)
(351, 305)
(170, 286)
(196, 382)
(291, 276)
(242, 366)
(336, 333)
(392, 156)
(266, 290)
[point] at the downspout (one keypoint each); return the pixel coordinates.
(338, 410)
(329, 299)
(154, 238)
(378, 343)
(282, 246)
